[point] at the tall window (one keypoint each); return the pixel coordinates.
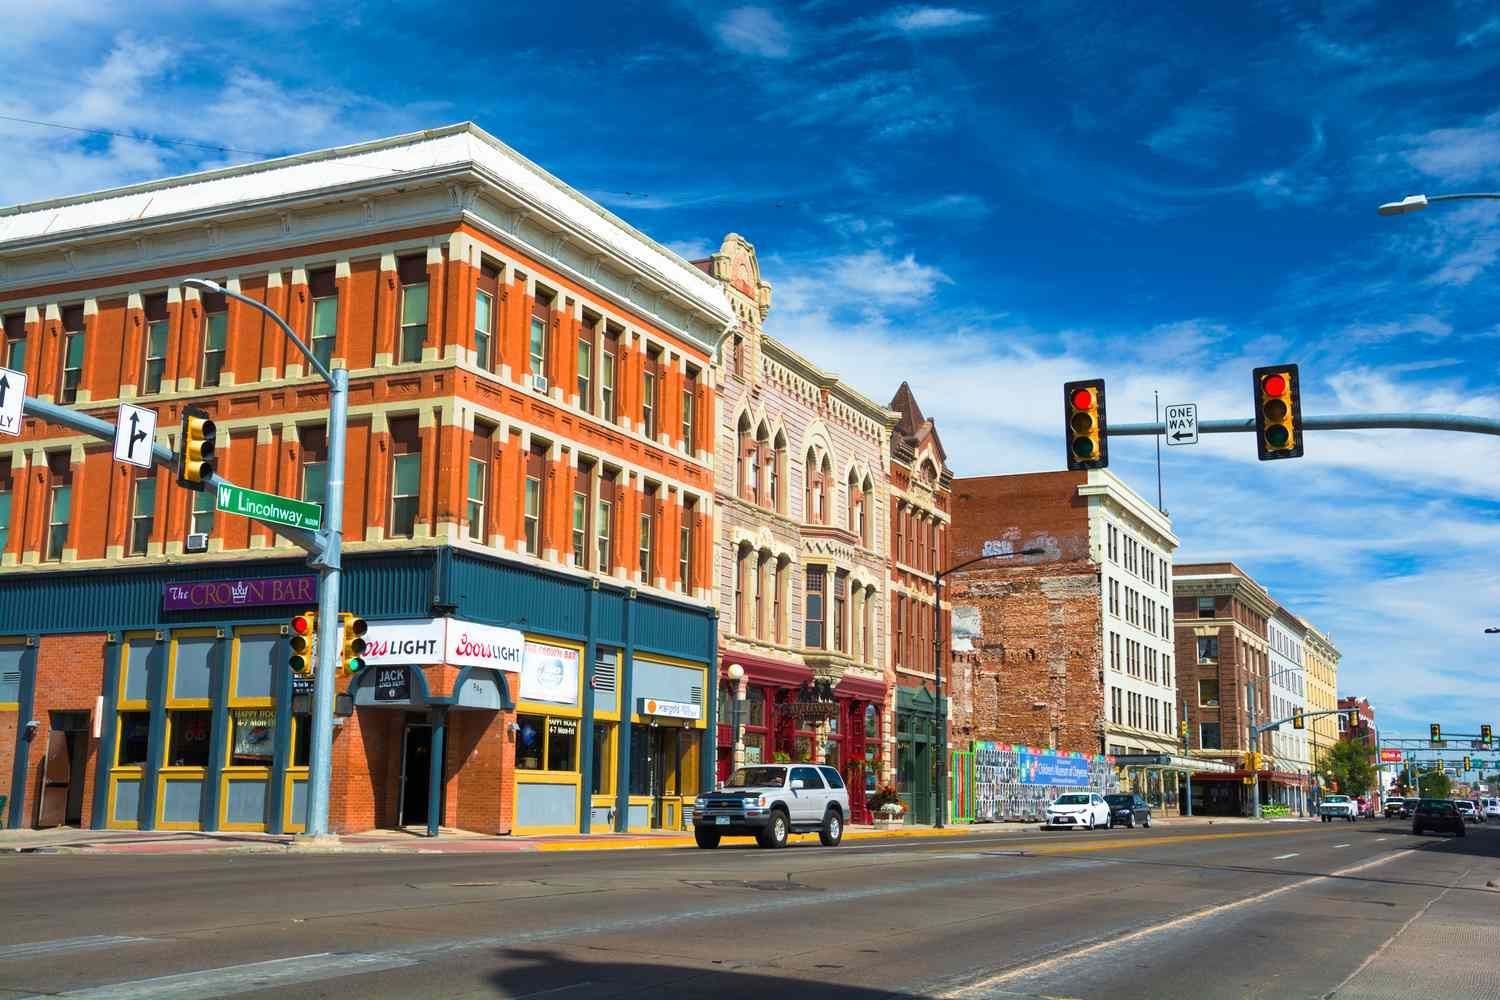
(648, 535)
(608, 483)
(485, 295)
(774, 464)
(480, 448)
(1208, 648)
(72, 371)
(840, 609)
(4, 503)
(406, 476)
(323, 286)
(685, 545)
(536, 464)
(899, 614)
(313, 444)
(749, 461)
(812, 491)
(143, 512)
(201, 521)
(609, 351)
(690, 410)
(867, 642)
(742, 557)
(15, 342)
(59, 503)
(215, 337)
(778, 618)
(817, 585)
(536, 350)
(412, 273)
(649, 380)
(1208, 736)
(155, 364)
(582, 480)
(758, 587)
(1206, 607)
(586, 364)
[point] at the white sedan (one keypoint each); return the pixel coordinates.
(1078, 810)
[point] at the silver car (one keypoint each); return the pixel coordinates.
(770, 802)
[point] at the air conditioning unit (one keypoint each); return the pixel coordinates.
(197, 542)
(539, 384)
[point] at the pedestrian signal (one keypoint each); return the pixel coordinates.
(1085, 427)
(1278, 413)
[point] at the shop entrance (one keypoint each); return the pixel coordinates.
(416, 774)
(61, 799)
(653, 766)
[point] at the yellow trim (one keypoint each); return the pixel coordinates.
(571, 778)
(177, 638)
(180, 774)
(116, 775)
(234, 666)
(262, 774)
(293, 774)
(133, 641)
(10, 706)
(670, 661)
(548, 707)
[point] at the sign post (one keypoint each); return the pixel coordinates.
(1182, 423)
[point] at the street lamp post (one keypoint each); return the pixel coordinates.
(937, 671)
(328, 564)
(737, 749)
(1417, 202)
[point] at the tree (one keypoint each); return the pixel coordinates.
(1435, 785)
(1348, 764)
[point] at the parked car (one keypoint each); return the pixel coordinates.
(1438, 815)
(770, 802)
(1397, 806)
(1338, 807)
(1468, 811)
(1366, 807)
(1490, 808)
(1128, 810)
(1078, 809)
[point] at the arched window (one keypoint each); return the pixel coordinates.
(778, 472)
(766, 459)
(826, 500)
(812, 492)
(856, 512)
(866, 507)
(745, 455)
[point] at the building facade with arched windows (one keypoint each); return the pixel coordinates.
(803, 500)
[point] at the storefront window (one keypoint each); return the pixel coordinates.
(872, 730)
(546, 743)
(604, 758)
(562, 744)
(135, 738)
(755, 748)
(301, 740)
(725, 709)
(756, 705)
(253, 737)
(529, 744)
(804, 748)
(188, 734)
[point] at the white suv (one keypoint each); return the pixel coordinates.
(772, 801)
(1490, 808)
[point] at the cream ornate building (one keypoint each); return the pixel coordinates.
(1321, 657)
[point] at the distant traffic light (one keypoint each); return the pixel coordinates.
(1486, 733)
(1353, 719)
(1086, 426)
(1297, 721)
(353, 630)
(304, 629)
(195, 448)
(1435, 731)
(1278, 413)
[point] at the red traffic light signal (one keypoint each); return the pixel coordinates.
(1085, 427)
(1278, 412)
(304, 631)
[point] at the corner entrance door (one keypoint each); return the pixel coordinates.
(61, 800)
(653, 767)
(416, 774)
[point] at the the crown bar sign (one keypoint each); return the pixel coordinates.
(264, 592)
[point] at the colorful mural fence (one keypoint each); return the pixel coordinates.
(1013, 782)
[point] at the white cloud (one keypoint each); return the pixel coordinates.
(914, 20)
(754, 31)
(693, 249)
(1196, 133)
(873, 275)
(1460, 153)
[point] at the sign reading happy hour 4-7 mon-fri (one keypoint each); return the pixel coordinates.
(268, 507)
(12, 395)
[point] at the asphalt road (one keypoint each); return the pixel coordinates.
(1282, 910)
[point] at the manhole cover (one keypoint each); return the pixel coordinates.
(767, 885)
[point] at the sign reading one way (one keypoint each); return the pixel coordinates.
(12, 395)
(1182, 423)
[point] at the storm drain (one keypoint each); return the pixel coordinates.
(767, 885)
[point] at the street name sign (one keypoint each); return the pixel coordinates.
(135, 429)
(12, 395)
(1182, 423)
(268, 507)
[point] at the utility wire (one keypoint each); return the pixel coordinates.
(140, 136)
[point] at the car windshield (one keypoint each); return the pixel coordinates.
(1439, 808)
(1337, 798)
(757, 777)
(1465, 806)
(1118, 800)
(1072, 800)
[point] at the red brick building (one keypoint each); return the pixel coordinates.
(1365, 732)
(531, 444)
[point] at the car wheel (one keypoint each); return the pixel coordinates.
(774, 834)
(1130, 823)
(833, 829)
(1147, 821)
(707, 839)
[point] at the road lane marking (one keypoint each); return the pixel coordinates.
(1133, 843)
(1049, 964)
(1340, 845)
(1283, 857)
(233, 979)
(32, 949)
(1379, 839)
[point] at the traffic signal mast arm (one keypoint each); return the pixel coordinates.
(1266, 727)
(1342, 422)
(160, 454)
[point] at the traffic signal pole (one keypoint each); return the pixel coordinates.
(1458, 422)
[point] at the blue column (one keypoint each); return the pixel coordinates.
(156, 686)
(282, 753)
(708, 744)
(439, 718)
(586, 737)
(107, 724)
(624, 683)
(208, 813)
(25, 699)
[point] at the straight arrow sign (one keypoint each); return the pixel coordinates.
(135, 429)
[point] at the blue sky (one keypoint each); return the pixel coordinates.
(984, 200)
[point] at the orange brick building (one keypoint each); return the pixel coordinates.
(530, 448)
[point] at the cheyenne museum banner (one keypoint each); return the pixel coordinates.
(1016, 782)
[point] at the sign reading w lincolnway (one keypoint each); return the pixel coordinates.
(268, 507)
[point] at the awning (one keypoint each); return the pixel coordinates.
(1172, 762)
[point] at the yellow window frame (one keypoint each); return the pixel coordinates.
(575, 710)
(19, 642)
(672, 661)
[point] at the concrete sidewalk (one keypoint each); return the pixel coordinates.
(73, 841)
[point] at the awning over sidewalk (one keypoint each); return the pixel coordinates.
(1172, 762)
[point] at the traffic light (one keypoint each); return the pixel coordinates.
(195, 448)
(1297, 721)
(1486, 733)
(1353, 719)
(1086, 430)
(1435, 731)
(353, 631)
(1468, 762)
(1278, 413)
(1441, 767)
(304, 629)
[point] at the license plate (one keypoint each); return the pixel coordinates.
(721, 820)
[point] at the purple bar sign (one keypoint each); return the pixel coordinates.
(264, 592)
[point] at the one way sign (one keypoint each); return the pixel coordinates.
(135, 430)
(1182, 423)
(12, 396)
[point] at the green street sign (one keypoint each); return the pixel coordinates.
(268, 507)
